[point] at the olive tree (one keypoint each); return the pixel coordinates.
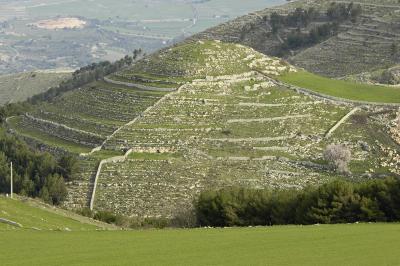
(338, 157)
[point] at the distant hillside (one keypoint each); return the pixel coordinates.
(31, 214)
(21, 86)
(368, 43)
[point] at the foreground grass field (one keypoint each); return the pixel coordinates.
(343, 89)
(355, 244)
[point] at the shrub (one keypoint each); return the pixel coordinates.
(105, 216)
(86, 212)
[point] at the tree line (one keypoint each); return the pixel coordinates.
(335, 202)
(85, 75)
(35, 174)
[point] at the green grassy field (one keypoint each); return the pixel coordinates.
(355, 244)
(343, 89)
(34, 214)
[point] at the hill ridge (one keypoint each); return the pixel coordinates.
(228, 122)
(353, 39)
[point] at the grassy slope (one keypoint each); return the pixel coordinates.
(362, 244)
(343, 89)
(30, 214)
(19, 87)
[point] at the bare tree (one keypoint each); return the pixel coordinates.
(338, 157)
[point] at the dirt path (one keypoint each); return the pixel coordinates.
(341, 121)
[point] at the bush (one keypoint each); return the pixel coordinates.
(124, 221)
(184, 219)
(86, 212)
(105, 216)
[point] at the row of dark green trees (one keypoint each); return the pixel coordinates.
(35, 174)
(335, 202)
(85, 75)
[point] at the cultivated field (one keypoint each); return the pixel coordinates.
(351, 244)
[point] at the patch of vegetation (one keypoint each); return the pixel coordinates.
(343, 89)
(297, 39)
(127, 222)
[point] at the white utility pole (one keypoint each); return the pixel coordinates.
(11, 190)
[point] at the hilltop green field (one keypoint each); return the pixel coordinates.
(351, 244)
(343, 89)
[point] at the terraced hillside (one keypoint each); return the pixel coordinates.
(80, 121)
(200, 115)
(361, 46)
